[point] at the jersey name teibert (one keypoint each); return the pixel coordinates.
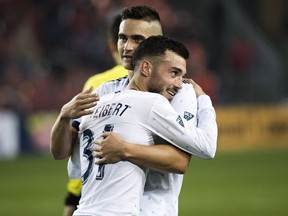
(110, 109)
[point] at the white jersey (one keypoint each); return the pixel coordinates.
(115, 189)
(162, 189)
(185, 104)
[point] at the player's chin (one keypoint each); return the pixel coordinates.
(127, 63)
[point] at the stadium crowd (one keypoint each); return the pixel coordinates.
(49, 48)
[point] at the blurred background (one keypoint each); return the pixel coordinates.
(239, 53)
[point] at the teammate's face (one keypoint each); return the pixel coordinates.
(131, 34)
(166, 77)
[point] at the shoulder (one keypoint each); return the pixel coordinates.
(117, 82)
(142, 97)
(186, 92)
(116, 71)
(186, 87)
(111, 74)
(152, 98)
(112, 86)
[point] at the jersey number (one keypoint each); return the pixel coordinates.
(87, 152)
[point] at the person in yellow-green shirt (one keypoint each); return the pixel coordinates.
(74, 185)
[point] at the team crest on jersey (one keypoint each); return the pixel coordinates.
(188, 116)
(180, 121)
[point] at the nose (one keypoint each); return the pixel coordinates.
(178, 83)
(128, 45)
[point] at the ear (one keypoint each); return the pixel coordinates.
(145, 68)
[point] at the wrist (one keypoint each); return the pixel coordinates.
(64, 119)
(126, 153)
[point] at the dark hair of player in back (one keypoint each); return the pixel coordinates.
(156, 46)
(140, 13)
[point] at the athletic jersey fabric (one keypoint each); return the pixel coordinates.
(74, 183)
(112, 74)
(204, 145)
(118, 189)
(162, 189)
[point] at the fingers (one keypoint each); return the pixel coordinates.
(86, 99)
(81, 104)
(86, 105)
(87, 96)
(198, 90)
(99, 157)
(96, 149)
(100, 161)
(97, 154)
(188, 81)
(97, 145)
(106, 150)
(89, 90)
(105, 134)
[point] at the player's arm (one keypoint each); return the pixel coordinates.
(200, 141)
(63, 135)
(163, 157)
(113, 148)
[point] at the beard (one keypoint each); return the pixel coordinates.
(154, 84)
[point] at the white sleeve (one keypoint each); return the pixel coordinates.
(100, 90)
(73, 165)
(112, 86)
(200, 141)
(185, 104)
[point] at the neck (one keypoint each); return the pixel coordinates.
(136, 85)
(130, 74)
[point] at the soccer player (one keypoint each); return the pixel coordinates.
(136, 114)
(74, 184)
(151, 20)
(133, 31)
(162, 188)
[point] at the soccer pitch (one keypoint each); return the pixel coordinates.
(234, 183)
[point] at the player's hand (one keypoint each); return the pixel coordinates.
(108, 150)
(198, 90)
(80, 105)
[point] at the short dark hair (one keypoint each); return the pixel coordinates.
(113, 29)
(156, 46)
(140, 13)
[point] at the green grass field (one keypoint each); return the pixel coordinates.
(233, 184)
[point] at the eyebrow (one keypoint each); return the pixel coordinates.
(136, 36)
(176, 68)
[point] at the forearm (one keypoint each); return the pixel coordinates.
(160, 157)
(63, 135)
(207, 125)
(61, 139)
(199, 141)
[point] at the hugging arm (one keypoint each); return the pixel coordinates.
(63, 135)
(200, 141)
(163, 157)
